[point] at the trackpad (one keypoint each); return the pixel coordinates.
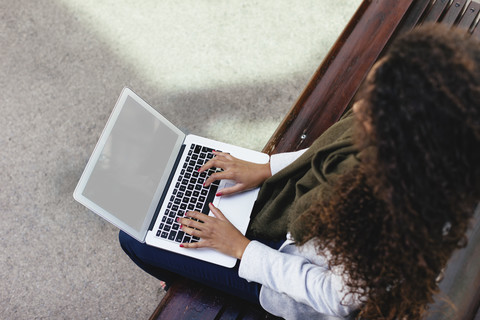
(238, 207)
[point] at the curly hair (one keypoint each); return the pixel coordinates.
(393, 221)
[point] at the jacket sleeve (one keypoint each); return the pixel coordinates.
(291, 276)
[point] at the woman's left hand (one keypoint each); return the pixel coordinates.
(215, 232)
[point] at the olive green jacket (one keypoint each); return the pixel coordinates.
(289, 193)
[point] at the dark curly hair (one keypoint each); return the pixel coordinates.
(393, 221)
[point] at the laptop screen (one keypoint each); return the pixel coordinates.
(130, 165)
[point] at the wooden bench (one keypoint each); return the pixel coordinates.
(328, 94)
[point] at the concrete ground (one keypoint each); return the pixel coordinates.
(225, 70)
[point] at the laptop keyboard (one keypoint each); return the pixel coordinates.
(189, 194)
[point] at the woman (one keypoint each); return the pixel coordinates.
(362, 223)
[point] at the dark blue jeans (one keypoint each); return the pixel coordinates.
(166, 266)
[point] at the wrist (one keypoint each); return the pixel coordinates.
(266, 171)
(241, 248)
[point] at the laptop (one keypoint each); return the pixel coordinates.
(143, 175)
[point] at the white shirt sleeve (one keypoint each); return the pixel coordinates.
(281, 160)
(295, 276)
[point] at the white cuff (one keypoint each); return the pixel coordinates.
(281, 160)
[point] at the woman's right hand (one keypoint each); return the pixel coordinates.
(247, 175)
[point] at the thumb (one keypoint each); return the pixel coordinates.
(216, 212)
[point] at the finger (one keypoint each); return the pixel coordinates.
(188, 220)
(192, 245)
(187, 224)
(206, 166)
(201, 217)
(213, 163)
(222, 175)
(226, 155)
(216, 212)
(232, 190)
(191, 231)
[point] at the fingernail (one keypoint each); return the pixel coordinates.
(211, 203)
(181, 226)
(178, 219)
(181, 246)
(219, 194)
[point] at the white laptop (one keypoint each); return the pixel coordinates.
(143, 174)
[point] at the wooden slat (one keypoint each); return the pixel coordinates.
(436, 11)
(366, 35)
(453, 13)
(477, 316)
(461, 284)
(231, 311)
(414, 16)
(469, 16)
(476, 31)
(237, 309)
(186, 300)
(253, 314)
(416, 13)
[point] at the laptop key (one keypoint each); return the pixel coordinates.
(179, 236)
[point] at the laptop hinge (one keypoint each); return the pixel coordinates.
(169, 181)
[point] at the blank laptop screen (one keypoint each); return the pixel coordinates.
(126, 175)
